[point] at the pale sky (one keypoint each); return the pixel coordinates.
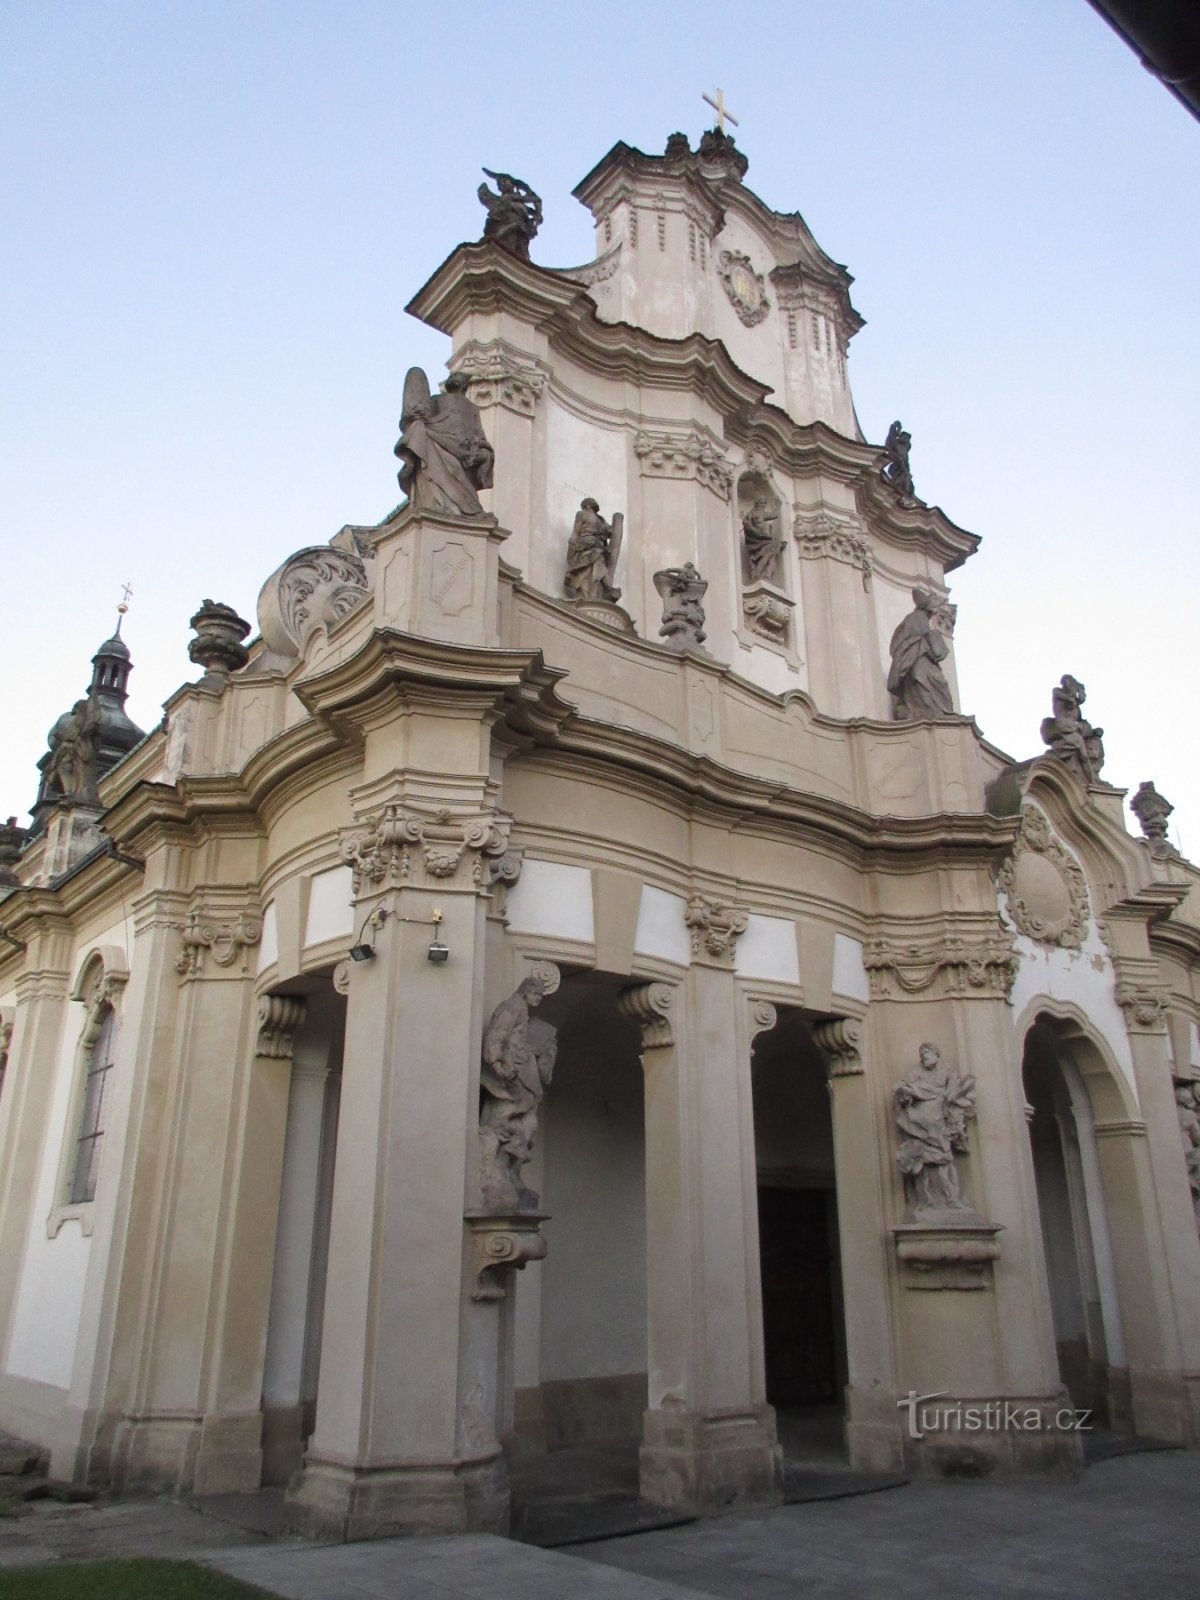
(216, 212)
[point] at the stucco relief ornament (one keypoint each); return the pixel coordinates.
(224, 942)
(518, 1061)
(746, 289)
(313, 588)
(1045, 886)
(716, 926)
(682, 590)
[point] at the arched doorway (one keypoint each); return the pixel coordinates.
(1060, 1074)
(804, 1336)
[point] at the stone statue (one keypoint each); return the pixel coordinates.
(592, 554)
(1152, 811)
(682, 590)
(895, 470)
(932, 1107)
(514, 215)
(518, 1061)
(916, 682)
(1069, 735)
(445, 458)
(71, 767)
(763, 546)
(1186, 1102)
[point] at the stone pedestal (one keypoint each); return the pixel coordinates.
(947, 1254)
(72, 834)
(439, 577)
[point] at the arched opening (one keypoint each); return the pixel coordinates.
(1064, 1079)
(293, 1352)
(804, 1333)
(580, 1321)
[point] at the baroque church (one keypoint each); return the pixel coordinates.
(578, 973)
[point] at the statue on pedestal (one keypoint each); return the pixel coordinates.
(895, 470)
(445, 458)
(1187, 1101)
(682, 590)
(71, 766)
(518, 1061)
(1069, 735)
(514, 215)
(916, 682)
(932, 1107)
(763, 546)
(592, 554)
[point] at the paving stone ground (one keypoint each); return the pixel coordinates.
(1130, 1527)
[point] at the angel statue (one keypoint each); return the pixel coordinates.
(445, 458)
(682, 591)
(514, 215)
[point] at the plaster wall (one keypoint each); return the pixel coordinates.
(550, 898)
(330, 911)
(268, 944)
(849, 974)
(661, 930)
(767, 949)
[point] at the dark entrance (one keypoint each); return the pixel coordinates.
(796, 1242)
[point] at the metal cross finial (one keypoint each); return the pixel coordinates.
(718, 105)
(126, 591)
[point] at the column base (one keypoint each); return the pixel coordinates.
(706, 1464)
(327, 1500)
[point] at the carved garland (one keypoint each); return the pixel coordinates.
(684, 455)
(1036, 840)
(1145, 1009)
(981, 971)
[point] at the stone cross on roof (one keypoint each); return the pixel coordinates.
(718, 106)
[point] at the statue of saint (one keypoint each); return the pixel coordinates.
(592, 554)
(916, 682)
(895, 469)
(514, 215)
(518, 1061)
(445, 458)
(932, 1107)
(1069, 735)
(763, 546)
(1189, 1128)
(682, 590)
(71, 766)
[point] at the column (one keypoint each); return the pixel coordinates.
(709, 1437)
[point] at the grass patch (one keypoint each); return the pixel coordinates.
(123, 1580)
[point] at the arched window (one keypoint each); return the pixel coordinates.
(102, 1029)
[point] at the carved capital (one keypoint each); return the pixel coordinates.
(954, 968)
(1044, 885)
(279, 1016)
(500, 1245)
(1145, 1007)
(649, 1004)
(818, 535)
(684, 455)
(397, 845)
(224, 943)
(840, 1042)
(498, 378)
(716, 926)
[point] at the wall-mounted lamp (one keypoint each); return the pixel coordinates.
(438, 952)
(360, 950)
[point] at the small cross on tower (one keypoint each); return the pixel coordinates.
(718, 105)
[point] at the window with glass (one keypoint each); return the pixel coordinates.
(95, 1105)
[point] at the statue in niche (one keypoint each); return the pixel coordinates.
(514, 214)
(763, 546)
(71, 766)
(592, 554)
(1186, 1101)
(1069, 735)
(895, 469)
(445, 458)
(518, 1061)
(932, 1107)
(682, 590)
(916, 681)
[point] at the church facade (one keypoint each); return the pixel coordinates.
(578, 972)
